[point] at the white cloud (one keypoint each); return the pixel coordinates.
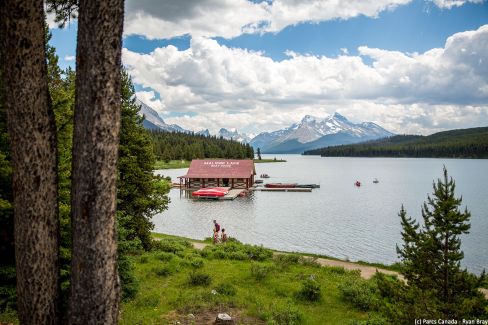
(69, 58)
(243, 89)
(231, 18)
(448, 4)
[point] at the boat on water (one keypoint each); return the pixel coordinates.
(308, 186)
(358, 183)
(280, 185)
(376, 181)
(264, 176)
(259, 181)
(211, 192)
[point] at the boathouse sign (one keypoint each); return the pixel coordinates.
(234, 173)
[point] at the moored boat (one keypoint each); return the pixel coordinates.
(280, 185)
(376, 181)
(308, 186)
(264, 176)
(211, 192)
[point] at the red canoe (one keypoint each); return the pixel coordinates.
(280, 185)
(211, 192)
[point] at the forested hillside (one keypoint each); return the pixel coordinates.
(463, 143)
(175, 146)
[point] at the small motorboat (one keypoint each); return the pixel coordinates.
(211, 192)
(264, 176)
(259, 181)
(376, 181)
(358, 183)
(280, 185)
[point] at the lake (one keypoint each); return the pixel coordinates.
(338, 219)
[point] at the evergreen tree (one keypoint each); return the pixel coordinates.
(259, 153)
(140, 194)
(431, 255)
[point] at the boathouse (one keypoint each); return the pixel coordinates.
(231, 173)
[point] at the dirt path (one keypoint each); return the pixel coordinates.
(366, 271)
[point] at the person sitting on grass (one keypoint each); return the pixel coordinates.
(223, 238)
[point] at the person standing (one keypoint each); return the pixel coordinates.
(216, 232)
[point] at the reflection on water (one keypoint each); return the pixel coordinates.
(337, 219)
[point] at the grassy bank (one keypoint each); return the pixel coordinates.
(269, 160)
(172, 164)
(179, 283)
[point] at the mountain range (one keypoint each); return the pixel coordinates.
(310, 133)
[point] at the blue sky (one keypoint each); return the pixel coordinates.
(264, 66)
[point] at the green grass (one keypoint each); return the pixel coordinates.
(238, 278)
(172, 164)
(269, 160)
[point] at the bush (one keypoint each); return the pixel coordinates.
(169, 245)
(310, 290)
(360, 293)
(237, 251)
(260, 271)
(285, 315)
(197, 262)
(163, 271)
(283, 261)
(199, 279)
(226, 289)
(165, 257)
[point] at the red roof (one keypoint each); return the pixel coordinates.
(220, 168)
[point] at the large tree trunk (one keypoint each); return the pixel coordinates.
(32, 132)
(94, 278)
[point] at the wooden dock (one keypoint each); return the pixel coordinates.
(292, 189)
(232, 194)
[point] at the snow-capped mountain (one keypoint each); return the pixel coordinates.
(205, 132)
(153, 121)
(234, 135)
(312, 132)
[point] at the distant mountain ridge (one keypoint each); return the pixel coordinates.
(153, 121)
(312, 132)
(462, 143)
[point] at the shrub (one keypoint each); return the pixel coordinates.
(310, 261)
(359, 293)
(283, 261)
(260, 271)
(199, 279)
(197, 262)
(310, 290)
(169, 245)
(165, 257)
(163, 271)
(226, 289)
(285, 315)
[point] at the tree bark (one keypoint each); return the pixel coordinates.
(94, 279)
(32, 132)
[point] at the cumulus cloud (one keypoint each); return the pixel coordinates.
(231, 18)
(69, 58)
(448, 4)
(232, 87)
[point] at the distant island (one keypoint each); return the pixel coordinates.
(462, 143)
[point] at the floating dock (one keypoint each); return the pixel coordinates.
(232, 194)
(291, 189)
